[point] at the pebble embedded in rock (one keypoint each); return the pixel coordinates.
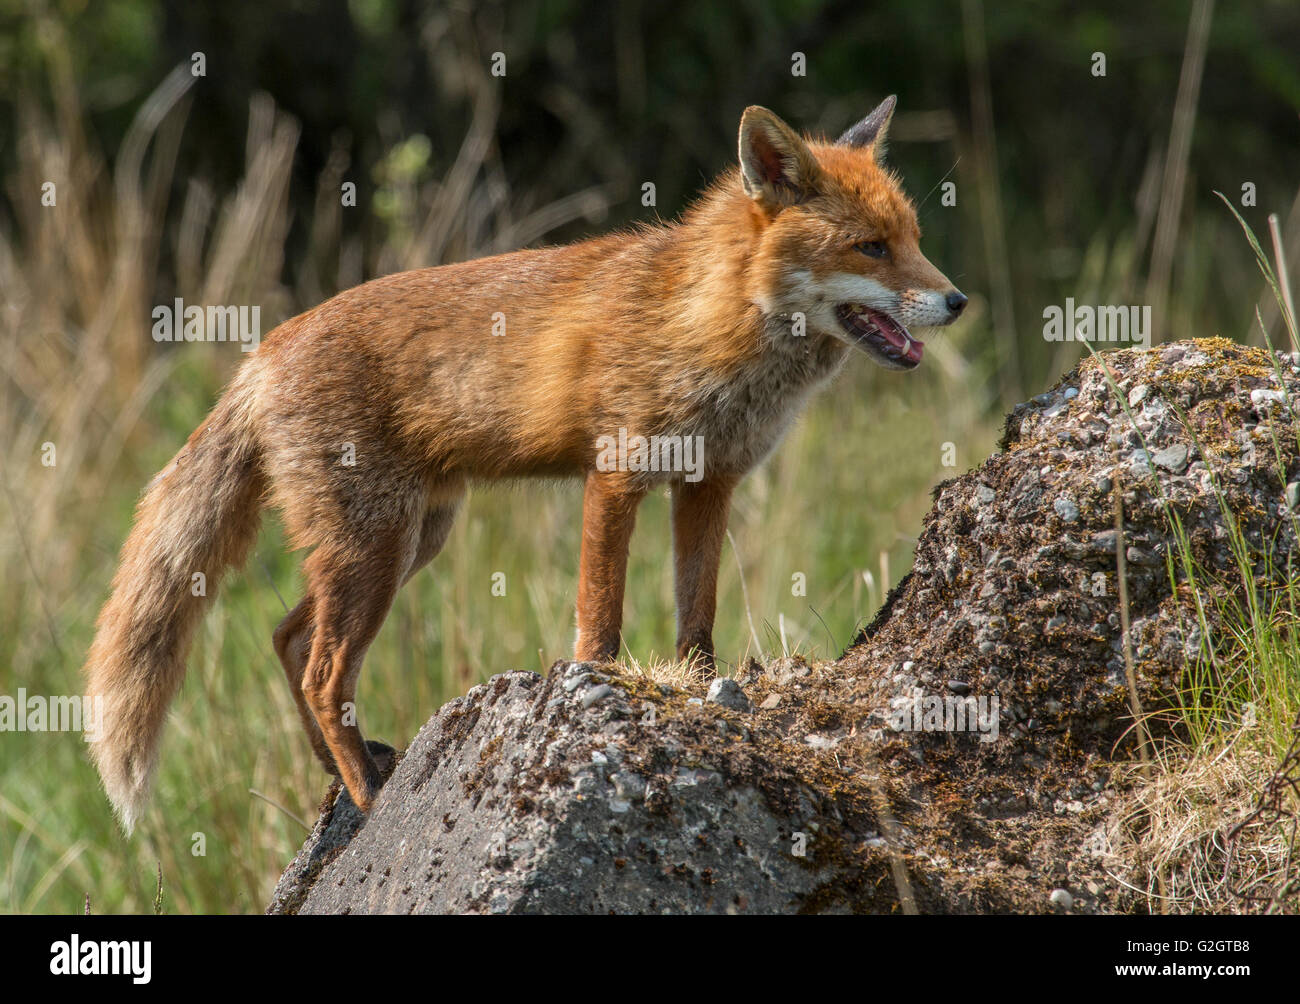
(1139, 556)
(1293, 496)
(1066, 509)
(1103, 542)
(596, 694)
(1138, 394)
(959, 686)
(1172, 458)
(1061, 898)
(1265, 399)
(727, 692)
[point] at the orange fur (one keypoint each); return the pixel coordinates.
(718, 326)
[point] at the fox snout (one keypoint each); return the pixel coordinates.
(928, 298)
(931, 308)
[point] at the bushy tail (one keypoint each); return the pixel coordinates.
(197, 518)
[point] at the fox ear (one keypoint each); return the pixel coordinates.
(776, 166)
(871, 131)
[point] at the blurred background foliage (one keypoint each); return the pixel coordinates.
(601, 97)
(225, 188)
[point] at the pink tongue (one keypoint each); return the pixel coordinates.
(886, 326)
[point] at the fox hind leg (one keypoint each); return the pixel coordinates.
(294, 639)
(352, 593)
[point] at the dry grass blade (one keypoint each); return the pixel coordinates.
(1175, 176)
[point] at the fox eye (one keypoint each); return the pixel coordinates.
(873, 249)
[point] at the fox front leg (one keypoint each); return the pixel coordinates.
(700, 513)
(609, 506)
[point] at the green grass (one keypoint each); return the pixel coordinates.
(1190, 832)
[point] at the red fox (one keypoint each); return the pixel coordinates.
(364, 419)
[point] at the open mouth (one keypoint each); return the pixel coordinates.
(880, 335)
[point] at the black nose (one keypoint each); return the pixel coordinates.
(956, 301)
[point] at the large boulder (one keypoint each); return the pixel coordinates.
(583, 791)
(958, 758)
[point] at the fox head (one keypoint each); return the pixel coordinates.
(838, 240)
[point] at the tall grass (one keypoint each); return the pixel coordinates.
(1190, 835)
(1251, 671)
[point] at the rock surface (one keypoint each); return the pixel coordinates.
(957, 758)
